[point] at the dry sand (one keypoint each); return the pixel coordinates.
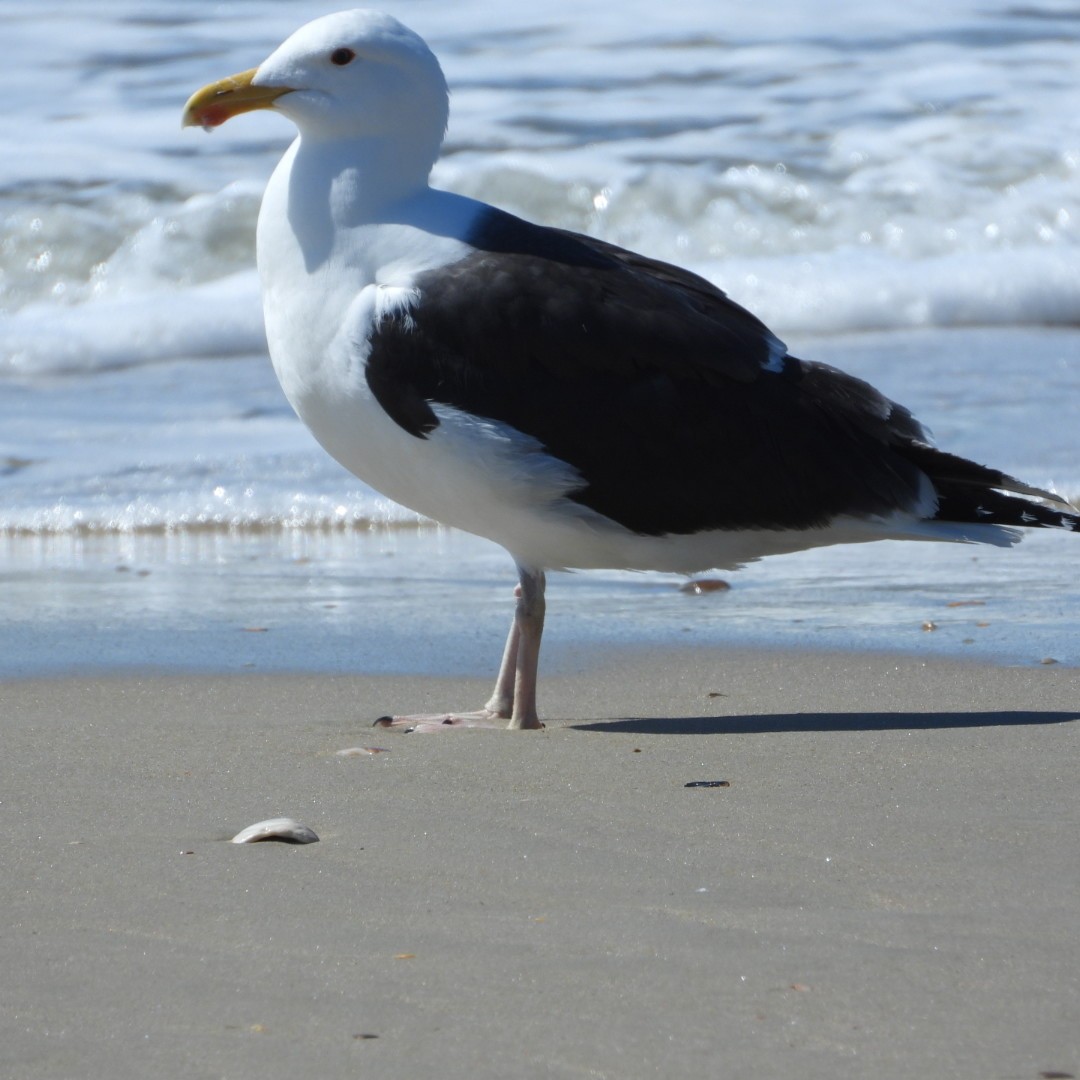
(888, 887)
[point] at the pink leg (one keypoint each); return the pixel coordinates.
(501, 703)
(514, 697)
(529, 628)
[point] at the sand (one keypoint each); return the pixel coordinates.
(889, 886)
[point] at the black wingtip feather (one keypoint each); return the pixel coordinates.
(969, 492)
(990, 507)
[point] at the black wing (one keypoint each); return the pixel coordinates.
(679, 409)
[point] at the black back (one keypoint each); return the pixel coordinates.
(678, 408)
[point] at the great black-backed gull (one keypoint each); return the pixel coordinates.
(579, 404)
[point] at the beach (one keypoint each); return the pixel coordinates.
(821, 823)
(888, 884)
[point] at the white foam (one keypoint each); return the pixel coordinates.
(219, 318)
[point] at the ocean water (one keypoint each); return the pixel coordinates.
(893, 188)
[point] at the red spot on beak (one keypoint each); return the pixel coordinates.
(213, 116)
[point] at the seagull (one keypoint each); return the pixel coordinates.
(579, 404)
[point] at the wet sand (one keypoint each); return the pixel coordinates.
(888, 886)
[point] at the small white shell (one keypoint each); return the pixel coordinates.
(285, 829)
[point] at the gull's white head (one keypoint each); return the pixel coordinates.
(351, 75)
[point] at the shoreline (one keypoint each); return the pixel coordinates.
(438, 602)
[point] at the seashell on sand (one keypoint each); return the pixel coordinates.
(285, 829)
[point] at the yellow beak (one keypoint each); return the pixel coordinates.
(220, 101)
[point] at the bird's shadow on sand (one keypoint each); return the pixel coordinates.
(866, 721)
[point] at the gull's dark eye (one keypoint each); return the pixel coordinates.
(341, 57)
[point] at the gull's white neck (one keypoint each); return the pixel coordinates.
(342, 206)
(345, 229)
(353, 181)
